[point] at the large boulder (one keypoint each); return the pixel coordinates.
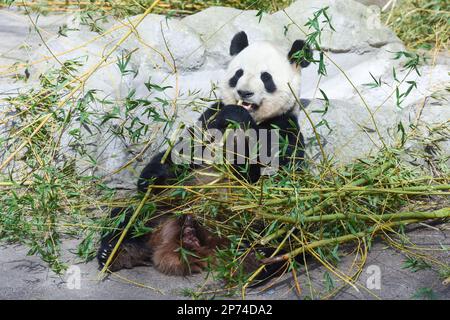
(380, 3)
(175, 64)
(356, 26)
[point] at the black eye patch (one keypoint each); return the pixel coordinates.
(267, 79)
(233, 81)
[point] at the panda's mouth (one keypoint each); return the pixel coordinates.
(248, 105)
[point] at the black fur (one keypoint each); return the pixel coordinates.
(233, 80)
(231, 115)
(157, 173)
(138, 250)
(109, 241)
(300, 45)
(289, 131)
(135, 251)
(267, 79)
(217, 116)
(238, 43)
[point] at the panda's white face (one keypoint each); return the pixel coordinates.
(258, 77)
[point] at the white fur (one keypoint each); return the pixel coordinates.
(253, 60)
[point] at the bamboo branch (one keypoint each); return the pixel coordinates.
(324, 242)
(438, 214)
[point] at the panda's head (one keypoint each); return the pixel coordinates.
(259, 74)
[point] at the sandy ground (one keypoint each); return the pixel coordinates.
(27, 277)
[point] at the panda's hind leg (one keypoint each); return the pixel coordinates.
(175, 235)
(177, 246)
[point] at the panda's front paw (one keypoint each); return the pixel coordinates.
(104, 252)
(234, 115)
(154, 173)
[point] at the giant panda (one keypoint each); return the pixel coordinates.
(255, 93)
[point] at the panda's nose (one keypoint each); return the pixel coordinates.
(245, 94)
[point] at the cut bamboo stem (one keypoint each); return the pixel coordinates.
(324, 242)
(125, 232)
(438, 214)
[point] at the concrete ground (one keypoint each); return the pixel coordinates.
(27, 277)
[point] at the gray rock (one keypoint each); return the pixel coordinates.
(380, 3)
(357, 27)
(217, 26)
(351, 133)
(345, 132)
(163, 42)
(428, 145)
(199, 46)
(357, 67)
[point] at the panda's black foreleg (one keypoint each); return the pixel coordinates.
(157, 173)
(243, 167)
(232, 114)
(132, 251)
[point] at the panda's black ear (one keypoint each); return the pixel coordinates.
(238, 43)
(304, 57)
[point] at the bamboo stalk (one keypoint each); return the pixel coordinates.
(327, 201)
(324, 242)
(125, 231)
(438, 214)
(356, 183)
(416, 190)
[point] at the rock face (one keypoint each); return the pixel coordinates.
(167, 69)
(356, 27)
(380, 3)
